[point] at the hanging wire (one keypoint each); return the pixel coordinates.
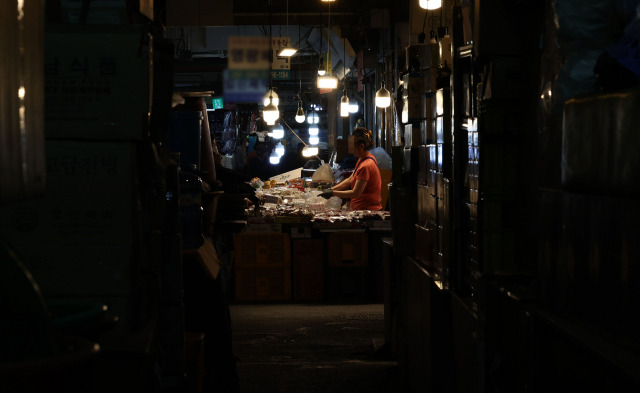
(299, 36)
(270, 48)
(422, 35)
(344, 60)
(287, 18)
(329, 38)
(299, 48)
(432, 32)
(296, 135)
(320, 59)
(291, 129)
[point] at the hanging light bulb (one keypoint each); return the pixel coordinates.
(439, 103)
(383, 97)
(321, 67)
(314, 140)
(309, 151)
(300, 113)
(353, 107)
(344, 104)
(430, 4)
(344, 101)
(270, 113)
(277, 131)
(314, 130)
(287, 51)
(280, 149)
(271, 96)
(327, 82)
(313, 118)
(274, 158)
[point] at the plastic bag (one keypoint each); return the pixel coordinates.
(324, 173)
(312, 194)
(333, 203)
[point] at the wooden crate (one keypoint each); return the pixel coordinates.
(307, 256)
(262, 283)
(268, 249)
(347, 249)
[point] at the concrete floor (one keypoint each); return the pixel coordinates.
(312, 348)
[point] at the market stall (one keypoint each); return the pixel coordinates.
(300, 246)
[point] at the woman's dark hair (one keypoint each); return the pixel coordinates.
(362, 135)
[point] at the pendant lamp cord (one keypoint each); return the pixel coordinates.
(328, 38)
(270, 52)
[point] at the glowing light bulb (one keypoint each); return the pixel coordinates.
(300, 113)
(383, 98)
(278, 132)
(274, 158)
(344, 104)
(313, 118)
(271, 97)
(430, 4)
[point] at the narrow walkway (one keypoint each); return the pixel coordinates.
(312, 348)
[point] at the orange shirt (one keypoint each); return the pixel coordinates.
(367, 169)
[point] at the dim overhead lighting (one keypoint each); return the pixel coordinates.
(271, 96)
(280, 149)
(287, 52)
(300, 113)
(274, 158)
(270, 113)
(313, 118)
(344, 104)
(278, 131)
(321, 71)
(327, 82)
(309, 151)
(383, 97)
(430, 4)
(344, 101)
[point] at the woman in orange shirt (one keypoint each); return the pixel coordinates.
(364, 185)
